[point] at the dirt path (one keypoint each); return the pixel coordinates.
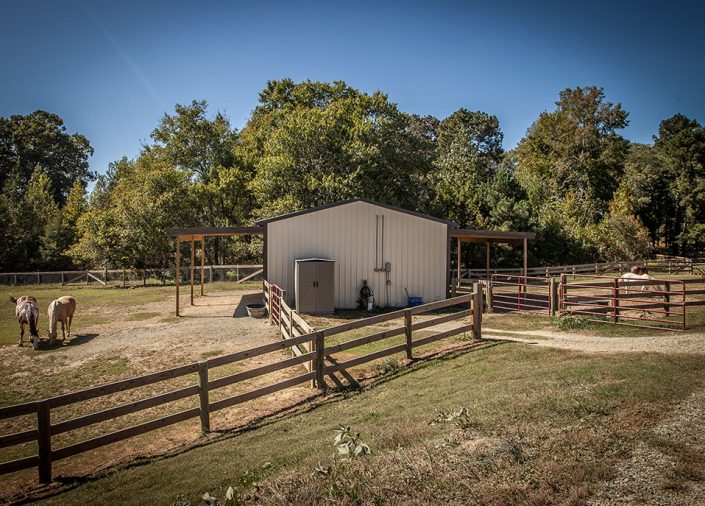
(675, 342)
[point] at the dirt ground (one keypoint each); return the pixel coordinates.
(217, 325)
(675, 343)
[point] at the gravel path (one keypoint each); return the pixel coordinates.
(675, 342)
(668, 470)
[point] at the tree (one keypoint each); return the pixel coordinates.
(469, 152)
(681, 146)
(314, 143)
(40, 140)
(573, 157)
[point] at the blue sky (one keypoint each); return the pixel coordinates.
(112, 69)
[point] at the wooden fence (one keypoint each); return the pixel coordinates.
(316, 353)
(670, 265)
(210, 273)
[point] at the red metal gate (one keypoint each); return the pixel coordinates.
(653, 304)
(520, 294)
(275, 303)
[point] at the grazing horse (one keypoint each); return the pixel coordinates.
(641, 273)
(27, 313)
(61, 310)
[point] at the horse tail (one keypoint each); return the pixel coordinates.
(32, 313)
(52, 318)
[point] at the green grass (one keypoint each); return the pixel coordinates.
(551, 407)
(146, 315)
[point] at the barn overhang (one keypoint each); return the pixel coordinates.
(466, 235)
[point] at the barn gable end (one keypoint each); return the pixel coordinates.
(362, 236)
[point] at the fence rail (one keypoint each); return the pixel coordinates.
(210, 273)
(657, 303)
(296, 332)
(670, 265)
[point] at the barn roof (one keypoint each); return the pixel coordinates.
(350, 201)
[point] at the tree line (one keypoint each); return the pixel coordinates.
(589, 193)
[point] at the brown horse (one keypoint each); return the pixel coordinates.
(27, 312)
(61, 310)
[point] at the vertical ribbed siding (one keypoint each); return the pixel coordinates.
(416, 248)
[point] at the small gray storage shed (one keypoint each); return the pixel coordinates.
(314, 283)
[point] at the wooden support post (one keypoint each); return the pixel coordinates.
(320, 362)
(203, 249)
(615, 303)
(203, 397)
(476, 311)
(193, 260)
(487, 260)
(553, 297)
(210, 274)
(44, 441)
(458, 276)
(177, 274)
(124, 274)
(409, 334)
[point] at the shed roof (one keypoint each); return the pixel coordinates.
(186, 234)
(350, 201)
(470, 235)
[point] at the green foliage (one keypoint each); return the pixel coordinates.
(570, 322)
(573, 179)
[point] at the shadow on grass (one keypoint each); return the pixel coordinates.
(307, 405)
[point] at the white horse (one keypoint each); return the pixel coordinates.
(640, 273)
(27, 313)
(61, 310)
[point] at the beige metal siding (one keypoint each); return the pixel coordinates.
(416, 248)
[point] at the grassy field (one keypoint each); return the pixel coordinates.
(541, 426)
(92, 303)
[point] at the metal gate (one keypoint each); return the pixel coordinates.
(519, 294)
(275, 303)
(652, 304)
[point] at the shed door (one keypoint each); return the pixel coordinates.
(325, 294)
(306, 287)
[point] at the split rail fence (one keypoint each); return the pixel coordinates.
(315, 353)
(235, 272)
(670, 265)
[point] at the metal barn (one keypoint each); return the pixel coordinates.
(394, 250)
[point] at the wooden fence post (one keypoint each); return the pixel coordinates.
(476, 311)
(562, 291)
(553, 297)
(320, 362)
(44, 440)
(203, 397)
(409, 334)
(270, 303)
(490, 300)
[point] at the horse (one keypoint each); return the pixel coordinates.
(641, 273)
(27, 312)
(61, 310)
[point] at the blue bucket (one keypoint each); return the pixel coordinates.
(415, 301)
